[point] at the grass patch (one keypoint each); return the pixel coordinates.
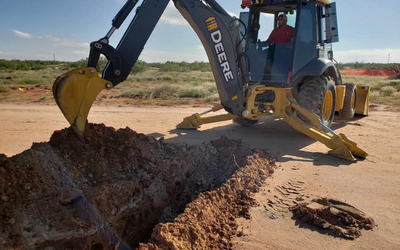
(164, 78)
(163, 92)
(193, 92)
(383, 90)
(183, 66)
(387, 91)
(30, 82)
(3, 89)
(374, 96)
(212, 98)
(171, 82)
(137, 93)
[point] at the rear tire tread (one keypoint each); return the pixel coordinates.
(347, 112)
(311, 96)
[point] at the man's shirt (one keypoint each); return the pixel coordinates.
(281, 35)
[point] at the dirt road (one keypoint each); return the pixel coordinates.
(305, 168)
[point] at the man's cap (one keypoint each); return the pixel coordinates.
(282, 16)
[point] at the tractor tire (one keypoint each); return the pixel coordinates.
(349, 103)
(244, 122)
(318, 95)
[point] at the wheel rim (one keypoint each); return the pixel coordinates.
(328, 104)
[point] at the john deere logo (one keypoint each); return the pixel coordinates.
(219, 48)
(211, 23)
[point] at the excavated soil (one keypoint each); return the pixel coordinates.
(334, 217)
(123, 190)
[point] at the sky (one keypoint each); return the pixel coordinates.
(43, 29)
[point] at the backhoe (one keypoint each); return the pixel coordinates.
(295, 81)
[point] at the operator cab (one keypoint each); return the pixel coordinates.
(276, 64)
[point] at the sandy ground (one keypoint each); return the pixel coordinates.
(305, 168)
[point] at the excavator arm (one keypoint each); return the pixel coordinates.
(218, 31)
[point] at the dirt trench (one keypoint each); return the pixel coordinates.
(124, 190)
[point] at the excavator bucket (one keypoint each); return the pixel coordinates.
(75, 92)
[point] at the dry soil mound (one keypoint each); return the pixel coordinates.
(121, 188)
(334, 217)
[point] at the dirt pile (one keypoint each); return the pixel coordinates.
(110, 192)
(334, 217)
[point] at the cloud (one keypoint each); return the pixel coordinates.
(21, 34)
(163, 56)
(1, 52)
(172, 16)
(373, 55)
(52, 38)
(55, 41)
(58, 42)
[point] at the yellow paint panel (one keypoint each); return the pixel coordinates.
(340, 91)
(362, 105)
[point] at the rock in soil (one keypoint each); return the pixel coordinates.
(334, 217)
(123, 190)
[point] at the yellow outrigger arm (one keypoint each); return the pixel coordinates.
(195, 121)
(75, 92)
(287, 109)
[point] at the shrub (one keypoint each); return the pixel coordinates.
(374, 96)
(387, 91)
(74, 65)
(192, 92)
(137, 93)
(140, 66)
(164, 91)
(394, 83)
(211, 98)
(376, 88)
(29, 81)
(184, 66)
(363, 65)
(25, 65)
(164, 78)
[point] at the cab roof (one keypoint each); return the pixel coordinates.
(275, 3)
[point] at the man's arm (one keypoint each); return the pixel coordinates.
(271, 37)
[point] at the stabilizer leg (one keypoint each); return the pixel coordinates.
(341, 146)
(196, 120)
